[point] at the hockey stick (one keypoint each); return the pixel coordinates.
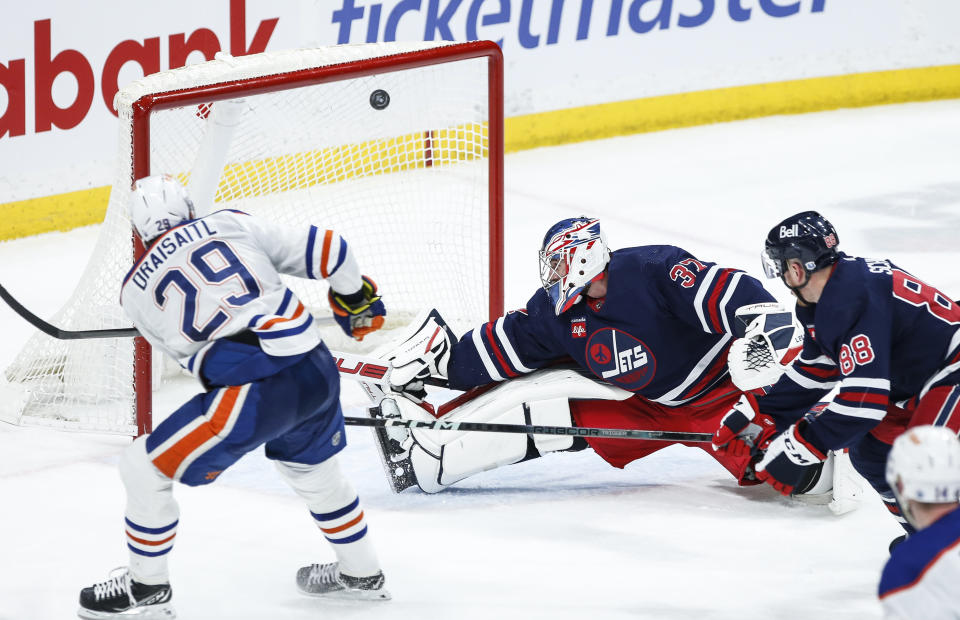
(64, 334)
(577, 431)
(351, 366)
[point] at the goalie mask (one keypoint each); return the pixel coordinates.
(157, 204)
(574, 254)
(924, 465)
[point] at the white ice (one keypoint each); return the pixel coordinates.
(566, 536)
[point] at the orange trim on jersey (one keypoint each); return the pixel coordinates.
(325, 254)
(340, 528)
(150, 542)
(280, 319)
(935, 559)
(170, 461)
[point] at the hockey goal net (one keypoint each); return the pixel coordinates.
(399, 147)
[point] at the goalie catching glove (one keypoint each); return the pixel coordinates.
(773, 338)
(360, 313)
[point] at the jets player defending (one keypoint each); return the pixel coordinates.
(208, 293)
(922, 575)
(889, 342)
(646, 329)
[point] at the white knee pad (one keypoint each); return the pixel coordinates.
(149, 492)
(323, 486)
(440, 458)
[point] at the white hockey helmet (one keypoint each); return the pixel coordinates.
(574, 254)
(157, 204)
(924, 465)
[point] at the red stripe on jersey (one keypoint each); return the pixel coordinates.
(496, 351)
(823, 373)
(714, 298)
(865, 397)
(710, 375)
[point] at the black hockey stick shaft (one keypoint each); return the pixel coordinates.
(63, 334)
(358, 367)
(576, 431)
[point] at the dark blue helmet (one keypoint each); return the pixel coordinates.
(807, 237)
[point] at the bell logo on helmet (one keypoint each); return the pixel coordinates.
(791, 231)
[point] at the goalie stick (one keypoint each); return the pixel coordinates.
(530, 429)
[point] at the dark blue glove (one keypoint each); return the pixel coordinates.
(788, 459)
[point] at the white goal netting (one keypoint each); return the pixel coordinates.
(397, 161)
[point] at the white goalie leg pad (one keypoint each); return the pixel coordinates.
(151, 515)
(553, 412)
(441, 458)
(848, 485)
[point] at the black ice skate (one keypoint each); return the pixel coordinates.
(122, 597)
(326, 580)
(394, 448)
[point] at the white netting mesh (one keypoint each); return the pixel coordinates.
(406, 185)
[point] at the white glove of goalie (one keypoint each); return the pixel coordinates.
(423, 351)
(772, 340)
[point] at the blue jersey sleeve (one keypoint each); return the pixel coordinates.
(704, 294)
(858, 335)
(515, 344)
(806, 382)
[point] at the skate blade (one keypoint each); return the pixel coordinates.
(164, 611)
(351, 595)
(815, 499)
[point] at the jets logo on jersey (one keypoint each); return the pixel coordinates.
(618, 357)
(578, 327)
(596, 304)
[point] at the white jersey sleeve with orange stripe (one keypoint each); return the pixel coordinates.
(220, 275)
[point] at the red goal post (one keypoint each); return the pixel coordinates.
(416, 187)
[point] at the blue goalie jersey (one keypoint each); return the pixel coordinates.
(662, 331)
(878, 334)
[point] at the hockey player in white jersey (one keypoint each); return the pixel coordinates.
(922, 576)
(208, 293)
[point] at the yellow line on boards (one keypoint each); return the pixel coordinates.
(80, 208)
(730, 104)
(24, 218)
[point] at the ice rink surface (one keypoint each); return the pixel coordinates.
(566, 536)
